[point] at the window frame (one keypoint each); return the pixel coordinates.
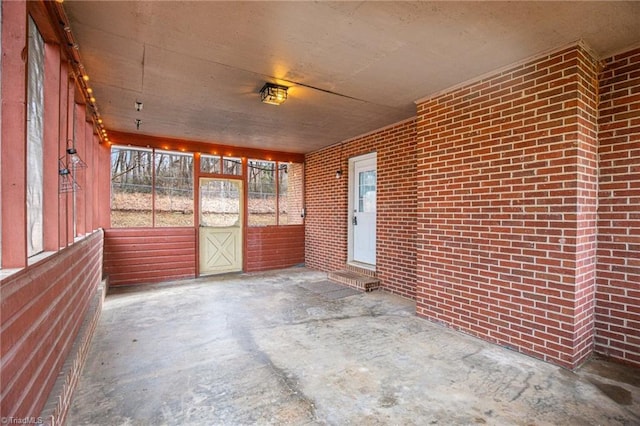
(154, 188)
(35, 139)
(279, 167)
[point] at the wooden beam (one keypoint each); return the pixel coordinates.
(170, 144)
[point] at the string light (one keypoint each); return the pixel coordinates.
(77, 69)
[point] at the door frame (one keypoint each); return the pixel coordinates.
(350, 204)
(242, 220)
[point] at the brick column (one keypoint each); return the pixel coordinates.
(506, 207)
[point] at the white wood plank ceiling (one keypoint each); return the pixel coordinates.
(352, 67)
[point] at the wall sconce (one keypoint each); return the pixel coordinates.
(75, 160)
(338, 174)
(138, 106)
(273, 94)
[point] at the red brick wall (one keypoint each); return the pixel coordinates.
(326, 205)
(326, 209)
(585, 119)
(618, 274)
(146, 255)
(42, 309)
(274, 247)
(506, 199)
(397, 203)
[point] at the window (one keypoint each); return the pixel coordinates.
(275, 193)
(173, 189)
(232, 166)
(220, 202)
(210, 164)
(367, 191)
(262, 193)
(290, 193)
(131, 187)
(155, 188)
(35, 138)
(151, 188)
(214, 164)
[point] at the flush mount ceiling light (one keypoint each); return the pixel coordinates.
(273, 94)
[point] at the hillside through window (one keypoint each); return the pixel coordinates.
(151, 188)
(275, 193)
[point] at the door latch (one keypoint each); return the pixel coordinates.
(355, 220)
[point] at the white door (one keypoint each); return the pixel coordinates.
(220, 226)
(362, 193)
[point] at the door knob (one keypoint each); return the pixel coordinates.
(355, 220)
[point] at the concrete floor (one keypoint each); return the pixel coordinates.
(290, 347)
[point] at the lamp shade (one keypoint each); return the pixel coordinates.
(273, 94)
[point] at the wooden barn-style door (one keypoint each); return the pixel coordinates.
(221, 218)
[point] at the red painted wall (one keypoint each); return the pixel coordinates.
(145, 255)
(45, 298)
(14, 156)
(274, 247)
(618, 274)
(326, 205)
(42, 310)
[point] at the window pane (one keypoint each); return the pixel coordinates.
(367, 191)
(35, 106)
(290, 184)
(262, 193)
(232, 166)
(174, 189)
(209, 163)
(219, 203)
(131, 186)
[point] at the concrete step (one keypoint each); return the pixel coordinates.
(354, 279)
